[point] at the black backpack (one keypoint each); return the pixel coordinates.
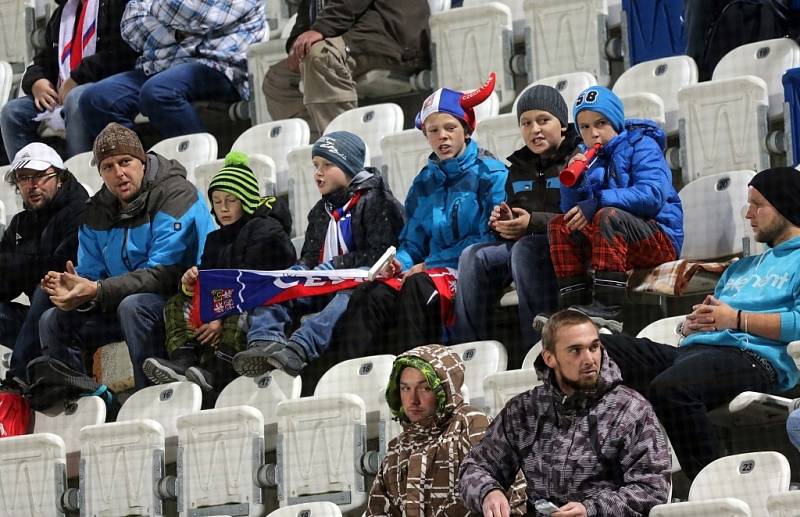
(54, 382)
(745, 21)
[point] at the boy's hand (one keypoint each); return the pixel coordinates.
(575, 219)
(515, 228)
(189, 279)
(416, 268)
(209, 333)
(390, 271)
(578, 157)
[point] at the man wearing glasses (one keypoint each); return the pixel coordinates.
(42, 237)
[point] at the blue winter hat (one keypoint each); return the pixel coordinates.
(343, 149)
(603, 101)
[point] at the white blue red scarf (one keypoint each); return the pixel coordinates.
(77, 35)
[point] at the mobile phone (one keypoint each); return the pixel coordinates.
(545, 507)
(380, 265)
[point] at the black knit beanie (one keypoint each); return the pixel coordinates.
(781, 187)
(545, 98)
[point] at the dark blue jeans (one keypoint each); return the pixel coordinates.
(26, 346)
(166, 98)
(139, 320)
(485, 270)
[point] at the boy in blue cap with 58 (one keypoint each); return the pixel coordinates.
(622, 213)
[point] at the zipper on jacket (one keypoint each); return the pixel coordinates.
(454, 218)
(125, 259)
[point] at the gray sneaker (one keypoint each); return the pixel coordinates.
(254, 361)
(201, 377)
(164, 371)
(291, 359)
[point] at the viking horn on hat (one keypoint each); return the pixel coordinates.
(475, 97)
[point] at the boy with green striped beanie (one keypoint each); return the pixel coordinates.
(253, 234)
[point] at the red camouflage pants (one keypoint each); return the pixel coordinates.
(615, 240)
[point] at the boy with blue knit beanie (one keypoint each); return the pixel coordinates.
(622, 213)
(353, 224)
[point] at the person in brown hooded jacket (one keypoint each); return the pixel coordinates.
(419, 475)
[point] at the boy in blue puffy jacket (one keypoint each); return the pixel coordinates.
(447, 209)
(622, 213)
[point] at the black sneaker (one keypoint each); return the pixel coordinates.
(608, 316)
(201, 377)
(291, 359)
(164, 371)
(254, 361)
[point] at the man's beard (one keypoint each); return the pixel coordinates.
(583, 387)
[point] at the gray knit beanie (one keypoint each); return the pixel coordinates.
(545, 98)
(343, 149)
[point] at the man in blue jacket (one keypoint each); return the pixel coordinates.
(138, 234)
(736, 339)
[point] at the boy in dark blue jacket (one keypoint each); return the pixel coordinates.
(622, 213)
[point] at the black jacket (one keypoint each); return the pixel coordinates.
(112, 56)
(397, 29)
(259, 241)
(533, 181)
(38, 241)
(376, 221)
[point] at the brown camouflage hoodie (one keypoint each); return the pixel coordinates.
(419, 475)
(604, 449)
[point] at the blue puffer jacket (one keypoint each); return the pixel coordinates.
(145, 247)
(448, 207)
(630, 173)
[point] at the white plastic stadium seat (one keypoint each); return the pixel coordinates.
(480, 359)
(714, 210)
(5, 360)
(469, 43)
(723, 126)
(262, 165)
(13, 36)
(320, 509)
(66, 420)
(649, 89)
(33, 475)
(8, 195)
(189, 150)
(568, 85)
(733, 485)
(275, 139)
(566, 36)
(321, 439)
(768, 60)
(517, 15)
(500, 135)
(488, 108)
(303, 192)
(663, 331)
(82, 166)
(533, 354)
(785, 504)
(261, 56)
(371, 123)
(6, 80)
(404, 155)
(122, 461)
(500, 387)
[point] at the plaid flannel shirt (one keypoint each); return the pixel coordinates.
(216, 33)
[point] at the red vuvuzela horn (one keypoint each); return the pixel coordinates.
(572, 172)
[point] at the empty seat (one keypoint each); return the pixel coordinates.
(121, 462)
(733, 486)
(275, 139)
(321, 439)
(66, 419)
(723, 126)
(13, 31)
(8, 195)
(768, 60)
(533, 354)
(6, 80)
(500, 135)
(303, 192)
(404, 155)
(566, 36)
(648, 90)
(261, 56)
(189, 150)
(517, 15)
(320, 509)
(82, 166)
(33, 475)
(371, 123)
(500, 387)
(262, 166)
(785, 504)
(469, 43)
(480, 359)
(568, 85)
(664, 330)
(5, 360)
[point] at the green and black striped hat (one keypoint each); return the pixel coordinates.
(237, 179)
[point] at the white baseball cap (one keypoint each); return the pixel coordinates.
(36, 156)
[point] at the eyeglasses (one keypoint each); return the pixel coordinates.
(35, 178)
